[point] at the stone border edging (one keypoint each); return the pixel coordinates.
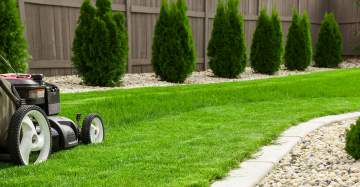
(252, 171)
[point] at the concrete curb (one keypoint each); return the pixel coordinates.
(252, 171)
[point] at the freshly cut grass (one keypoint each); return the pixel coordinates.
(186, 135)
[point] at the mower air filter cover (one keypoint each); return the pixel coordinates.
(7, 110)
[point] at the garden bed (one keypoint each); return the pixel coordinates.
(72, 84)
(319, 160)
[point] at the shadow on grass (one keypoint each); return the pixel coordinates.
(5, 161)
(4, 164)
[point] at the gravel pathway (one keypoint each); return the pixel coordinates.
(319, 160)
(73, 84)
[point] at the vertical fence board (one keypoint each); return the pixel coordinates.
(128, 23)
(206, 32)
(65, 32)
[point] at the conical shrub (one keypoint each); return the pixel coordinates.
(264, 54)
(161, 35)
(100, 55)
(103, 7)
(353, 141)
(298, 51)
(306, 27)
(329, 47)
(278, 40)
(227, 48)
(97, 75)
(174, 60)
(83, 38)
(122, 39)
(13, 46)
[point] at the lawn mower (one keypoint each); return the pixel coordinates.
(29, 128)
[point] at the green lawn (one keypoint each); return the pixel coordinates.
(186, 135)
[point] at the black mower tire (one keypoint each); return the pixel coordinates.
(85, 130)
(13, 140)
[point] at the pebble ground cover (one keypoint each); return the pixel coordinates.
(186, 135)
(318, 160)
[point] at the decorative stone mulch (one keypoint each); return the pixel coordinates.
(319, 160)
(71, 84)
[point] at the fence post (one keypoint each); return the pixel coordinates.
(206, 30)
(128, 22)
(299, 4)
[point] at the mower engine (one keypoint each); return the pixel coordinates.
(34, 91)
(39, 103)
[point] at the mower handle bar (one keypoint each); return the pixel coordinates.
(10, 94)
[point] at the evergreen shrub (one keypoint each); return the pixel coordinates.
(298, 51)
(100, 46)
(329, 47)
(13, 46)
(278, 40)
(353, 141)
(265, 54)
(173, 50)
(227, 48)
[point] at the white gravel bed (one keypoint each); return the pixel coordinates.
(73, 84)
(319, 160)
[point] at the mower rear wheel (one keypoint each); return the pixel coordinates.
(29, 138)
(92, 131)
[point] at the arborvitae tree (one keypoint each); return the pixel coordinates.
(293, 43)
(122, 37)
(262, 49)
(103, 7)
(12, 42)
(306, 27)
(162, 27)
(329, 47)
(353, 141)
(117, 58)
(217, 49)
(227, 48)
(100, 55)
(185, 62)
(175, 59)
(278, 41)
(98, 61)
(298, 53)
(81, 48)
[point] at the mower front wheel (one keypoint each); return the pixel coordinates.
(29, 137)
(92, 131)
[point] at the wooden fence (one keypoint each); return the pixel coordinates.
(348, 15)
(50, 26)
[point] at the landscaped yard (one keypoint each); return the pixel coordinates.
(186, 135)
